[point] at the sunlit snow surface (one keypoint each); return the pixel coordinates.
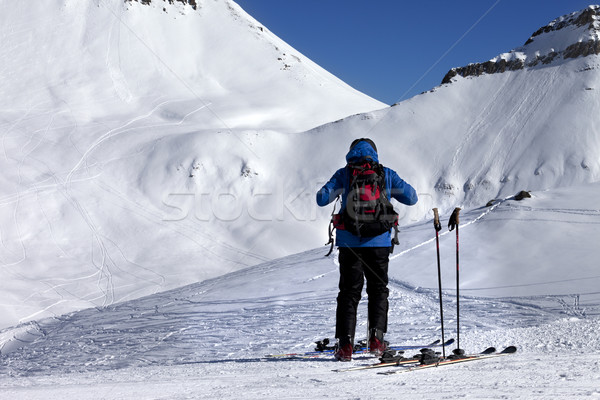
(143, 149)
(211, 337)
(127, 173)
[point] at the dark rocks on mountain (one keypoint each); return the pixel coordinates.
(444, 186)
(582, 49)
(488, 67)
(587, 16)
(584, 18)
(190, 2)
(523, 194)
(492, 202)
(547, 59)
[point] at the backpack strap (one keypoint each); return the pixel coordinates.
(331, 228)
(395, 240)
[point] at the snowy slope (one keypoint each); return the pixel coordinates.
(92, 60)
(114, 113)
(208, 340)
(488, 135)
(129, 173)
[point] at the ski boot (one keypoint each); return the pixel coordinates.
(344, 349)
(377, 345)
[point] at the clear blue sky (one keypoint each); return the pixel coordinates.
(395, 49)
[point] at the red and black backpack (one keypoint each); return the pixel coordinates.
(368, 211)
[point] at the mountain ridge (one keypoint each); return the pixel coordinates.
(583, 40)
(113, 113)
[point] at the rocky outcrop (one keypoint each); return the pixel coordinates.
(582, 49)
(190, 2)
(585, 17)
(488, 67)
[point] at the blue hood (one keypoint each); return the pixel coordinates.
(360, 151)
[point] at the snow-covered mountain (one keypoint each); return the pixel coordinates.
(570, 36)
(167, 146)
(120, 121)
(207, 62)
(152, 144)
(525, 120)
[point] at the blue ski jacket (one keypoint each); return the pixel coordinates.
(339, 184)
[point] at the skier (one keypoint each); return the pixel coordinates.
(363, 254)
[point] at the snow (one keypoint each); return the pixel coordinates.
(159, 234)
(556, 39)
(208, 340)
(112, 149)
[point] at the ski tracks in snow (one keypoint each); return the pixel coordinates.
(489, 130)
(103, 249)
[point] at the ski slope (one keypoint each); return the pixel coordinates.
(207, 340)
(129, 133)
(153, 175)
(159, 234)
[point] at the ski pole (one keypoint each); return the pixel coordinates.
(438, 228)
(453, 223)
(368, 338)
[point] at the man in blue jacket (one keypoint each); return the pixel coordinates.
(362, 256)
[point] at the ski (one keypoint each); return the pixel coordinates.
(405, 361)
(450, 360)
(400, 360)
(326, 351)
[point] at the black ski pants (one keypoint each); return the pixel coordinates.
(356, 264)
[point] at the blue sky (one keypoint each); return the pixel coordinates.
(395, 49)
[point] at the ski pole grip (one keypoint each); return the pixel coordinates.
(436, 220)
(453, 223)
